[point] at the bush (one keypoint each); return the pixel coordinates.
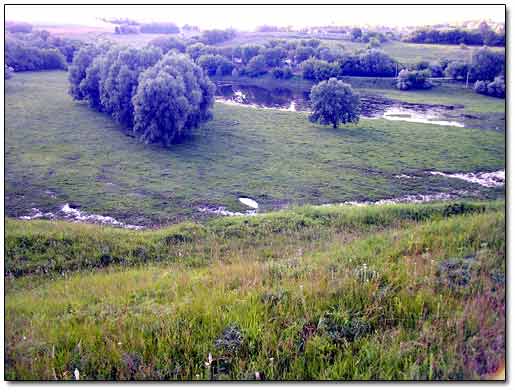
(168, 43)
(302, 53)
(160, 28)
(216, 36)
(274, 56)
(24, 56)
(215, 65)
(486, 64)
(256, 66)
(319, 70)
(497, 88)
(334, 102)
(457, 70)
(414, 80)
(173, 97)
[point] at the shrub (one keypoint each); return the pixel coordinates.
(319, 70)
(168, 43)
(216, 36)
(256, 66)
(173, 97)
(334, 102)
(457, 70)
(215, 65)
(414, 80)
(496, 88)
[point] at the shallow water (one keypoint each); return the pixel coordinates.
(74, 214)
(486, 179)
(249, 202)
(427, 117)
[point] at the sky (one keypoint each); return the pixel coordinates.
(249, 17)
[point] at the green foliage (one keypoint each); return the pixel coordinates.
(167, 43)
(318, 70)
(334, 102)
(256, 66)
(216, 36)
(302, 53)
(215, 65)
(496, 88)
(282, 72)
(414, 80)
(487, 64)
(173, 97)
(457, 70)
(23, 55)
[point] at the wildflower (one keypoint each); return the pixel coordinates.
(209, 360)
(76, 374)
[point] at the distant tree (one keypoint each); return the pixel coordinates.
(215, 65)
(256, 66)
(375, 62)
(26, 56)
(356, 34)
(302, 53)
(173, 97)
(274, 57)
(414, 80)
(126, 29)
(318, 70)
(160, 28)
(373, 43)
(486, 64)
(312, 43)
(168, 43)
(334, 102)
(457, 70)
(216, 36)
(248, 52)
(195, 50)
(436, 69)
(121, 81)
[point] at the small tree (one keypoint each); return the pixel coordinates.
(414, 80)
(334, 102)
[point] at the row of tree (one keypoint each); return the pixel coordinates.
(482, 36)
(38, 50)
(160, 98)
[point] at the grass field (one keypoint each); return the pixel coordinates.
(349, 293)
(58, 150)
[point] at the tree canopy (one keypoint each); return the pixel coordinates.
(334, 102)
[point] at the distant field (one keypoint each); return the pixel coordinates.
(58, 150)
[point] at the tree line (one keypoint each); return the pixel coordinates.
(34, 50)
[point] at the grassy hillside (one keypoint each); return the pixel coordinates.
(58, 151)
(391, 292)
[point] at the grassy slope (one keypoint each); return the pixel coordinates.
(294, 284)
(57, 145)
